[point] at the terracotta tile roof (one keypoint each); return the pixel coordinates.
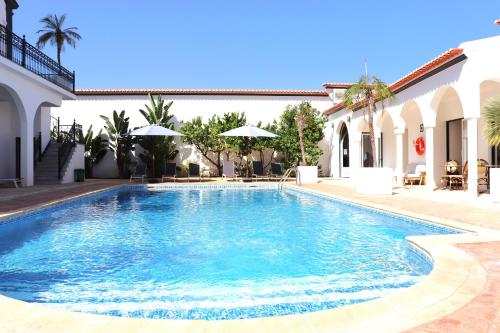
(413, 76)
(337, 85)
(246, 92)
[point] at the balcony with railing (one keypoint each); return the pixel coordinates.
(16, 49)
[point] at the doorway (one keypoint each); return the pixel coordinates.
(344, 152)
(456, 142)
(366, 150)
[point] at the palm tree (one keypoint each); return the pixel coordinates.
(492, 119)
(95, 149)
(301, 123)
(119, 141)
(158, 150)
(54, 33)
(365, 94)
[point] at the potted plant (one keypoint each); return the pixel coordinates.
(364, 95)
(492, 132)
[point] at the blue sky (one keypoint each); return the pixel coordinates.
(255, 44)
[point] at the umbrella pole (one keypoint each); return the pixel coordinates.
(248, 166)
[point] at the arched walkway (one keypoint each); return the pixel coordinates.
(410, 126)
(10, 135)
(387, 141)
(489, 89)
(450, 132)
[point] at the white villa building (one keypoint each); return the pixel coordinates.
(30, 84)
(436, 115)
(441, 103)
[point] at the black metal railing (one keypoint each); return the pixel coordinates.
(37, 148)
(68, 138)
(54, 128)
(16, 49)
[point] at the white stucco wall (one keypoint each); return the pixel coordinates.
(3, 13)
(77, 161)
(9, 130)
(389, 144)
(41, 125)
(87, 110)
(45, 126)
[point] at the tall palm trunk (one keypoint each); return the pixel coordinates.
(371, 110)
(300, 127)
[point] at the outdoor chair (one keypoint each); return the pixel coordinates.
(482, 174)
(258, 170)
(15, 181)
(228, 170)
(276, 171)
(139, 172)
(417, 174)
(194, 171)
(452, 177)
(170, 172)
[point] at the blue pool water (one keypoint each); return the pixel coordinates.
(208, 254)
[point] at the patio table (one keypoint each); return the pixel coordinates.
(454, 179)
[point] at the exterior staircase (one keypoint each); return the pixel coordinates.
(47, 170)
(57, 151)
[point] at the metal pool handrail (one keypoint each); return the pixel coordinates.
(285, 177)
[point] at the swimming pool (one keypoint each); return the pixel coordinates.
(208, 253)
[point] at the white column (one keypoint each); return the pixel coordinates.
(356, 158)
(472, 156)
(378, 147)
(27, 152)
(399, 157)
(429, 158)
(334, 157)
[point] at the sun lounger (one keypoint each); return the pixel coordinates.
(228, 170)
(170, 172)
(418, 174)
(258, 170)
(15, 181)
(276, 171)
(139, 172)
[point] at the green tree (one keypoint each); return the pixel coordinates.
(365, 94)
(119, 141)
(163, 147)
(233, 144)
(492, 120)
(54, 33)
(95, 149)
(261, 144)
(207, 139)
(288, 142)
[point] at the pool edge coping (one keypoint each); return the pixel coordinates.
(413, 306)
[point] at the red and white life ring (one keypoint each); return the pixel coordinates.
(420, 146)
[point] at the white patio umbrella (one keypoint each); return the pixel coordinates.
(154, 130)
(249, 132)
